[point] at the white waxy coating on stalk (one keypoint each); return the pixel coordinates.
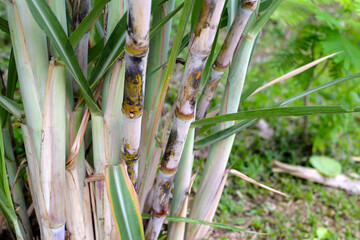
(139, 20)
(223, 59)
(220, 151)
(137, 44)
(208, 93)
(199, 49)
(181, 127)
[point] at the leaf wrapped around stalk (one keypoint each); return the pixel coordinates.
(199, 49)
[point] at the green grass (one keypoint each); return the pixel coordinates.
(311, 206)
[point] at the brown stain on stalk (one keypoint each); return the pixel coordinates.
(189, 95)
(169, 152)
(127, 156)
(206, 14)
(132, 105)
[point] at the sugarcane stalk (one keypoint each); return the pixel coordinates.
(180, 200)
(32, 63)
(11, 169)
(199, 49)
(159, 48)
(222, 61)
(52, 168)
(12, 165)
(103, 209)
(153, 155)
(136, 48)
(219, 152)
(36, 191)
(78, 209)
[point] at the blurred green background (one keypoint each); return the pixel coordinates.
(300, 32)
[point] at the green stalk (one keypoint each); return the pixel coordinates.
(106, 129)
(36, 191)
(81, 9)
(12, 168)
(53, 147)
(223, 59)
(32, 63)
(199, 49)
(103, 210)
(181, 188)
(136, 48)
(220, 152)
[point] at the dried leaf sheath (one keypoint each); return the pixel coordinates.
(199, 49)
(223, 59)
(137, 44)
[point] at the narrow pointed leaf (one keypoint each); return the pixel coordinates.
(116, 43)
(12, 76)
(155, 29)
(4, 25)
(53, 29)
(87, 23)
(221, 135)
(112, 50)
(197, 221)
(124, 202)
(274, 112)
(11, 106)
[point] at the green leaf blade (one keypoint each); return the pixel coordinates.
(221, 135)
(124, 202)
(112, 50)
(273, 112)
(11, 107)
(86, 24)
(4, 26)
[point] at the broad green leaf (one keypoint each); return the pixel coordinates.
(11, 106)
(274, 112)
(53, 29)
(4, 25)
(197, 221)
(322, 233)
(326, 166)
(95, 51)
(124, 202)
(87, 23)
(221, 135)
(112, 50)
